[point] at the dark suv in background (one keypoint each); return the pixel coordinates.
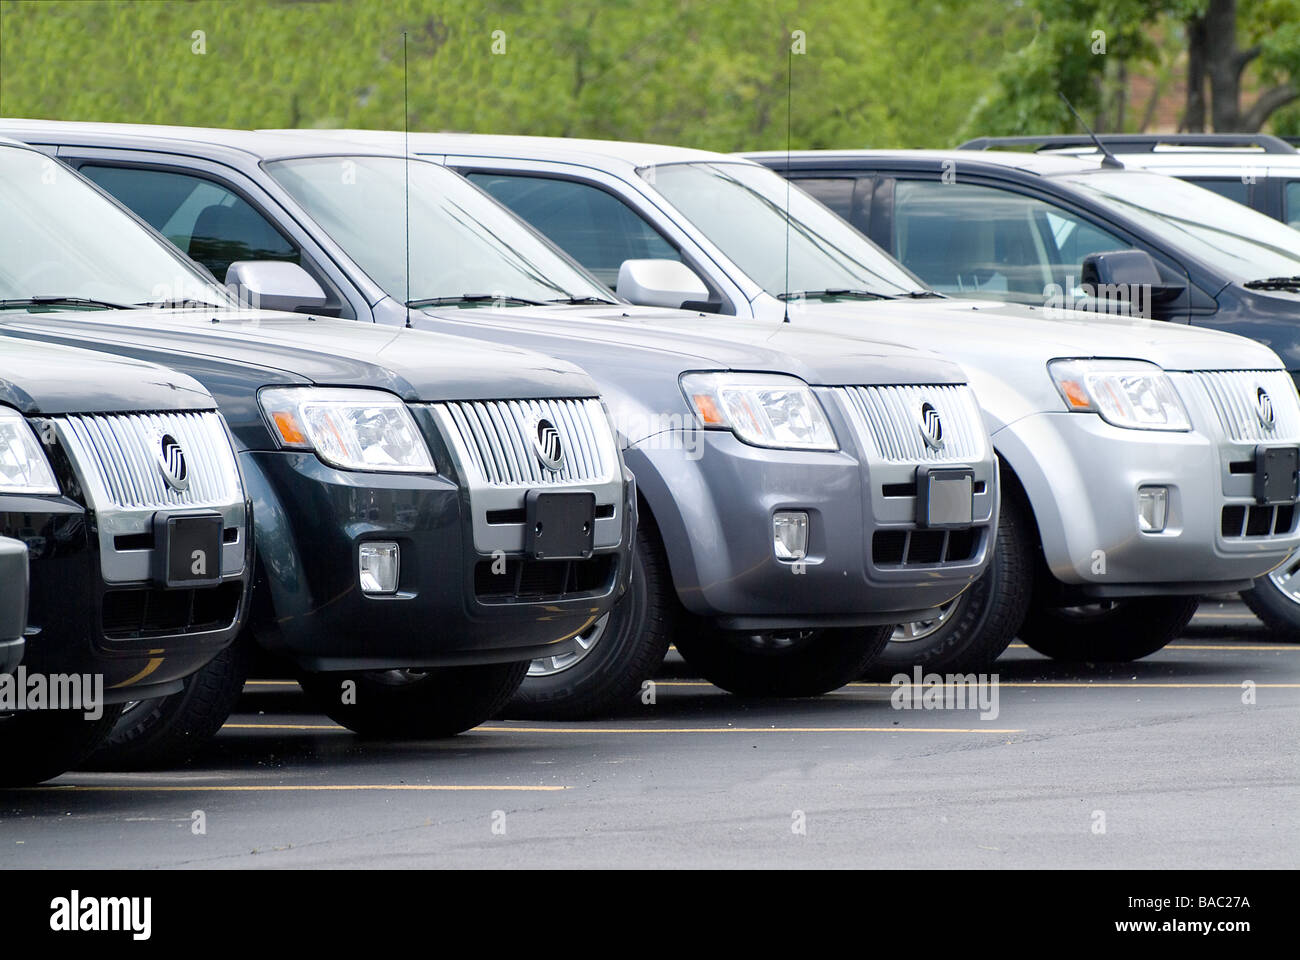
(125, 545)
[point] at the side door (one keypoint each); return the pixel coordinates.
(600, 222)
(215, 216)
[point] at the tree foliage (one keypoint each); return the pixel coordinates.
(707, 74)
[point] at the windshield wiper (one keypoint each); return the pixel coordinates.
(828, 294)
(64, 302)
(471, 298)
(178, 304)
(578, 301)
(925, 295)
(1273, 283)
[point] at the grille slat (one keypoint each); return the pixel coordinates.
(1233, 395)
(494, 440)
(115, 454)
(890, 418)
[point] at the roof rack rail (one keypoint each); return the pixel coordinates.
(1136, 142)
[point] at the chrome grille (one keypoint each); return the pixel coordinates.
(494, 439)
(117, 457)
(891, 418)
(1234, 394)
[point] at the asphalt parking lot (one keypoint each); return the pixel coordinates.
(1158, 764)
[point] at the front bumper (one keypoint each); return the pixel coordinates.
(1082, 477)
(13, 603)
(141, 638)
(450, 608)
(715, 507)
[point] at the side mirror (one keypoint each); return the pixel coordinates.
(275, 285)
(659, 283)
(1127, 275)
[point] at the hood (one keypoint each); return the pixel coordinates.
(967, 330)
(693, 341)
(41, 379)
(291, 348)
(1004, 348)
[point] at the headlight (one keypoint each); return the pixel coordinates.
(767, 410)
(23, 466)
(1127, 393)
(351, 429)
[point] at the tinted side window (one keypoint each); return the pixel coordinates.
(1232, 189)
(1291, 204)
(833, 192)
(205, 220)
(591, 225)
(984, 241)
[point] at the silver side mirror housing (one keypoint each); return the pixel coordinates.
(274, 285)
(660, 283)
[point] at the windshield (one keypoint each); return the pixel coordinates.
(1246, 244)
(740, 207)
(63, 241)
(463, 244)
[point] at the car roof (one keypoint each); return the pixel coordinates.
(253, 144)
(594, 152)
(1218, 158)
(1045, 165)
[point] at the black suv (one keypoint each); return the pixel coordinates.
(125, 546)
(431, 513)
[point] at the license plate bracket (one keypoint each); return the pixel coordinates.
(1275, 475)
(187, 549)
(944, 496)
(560, 526)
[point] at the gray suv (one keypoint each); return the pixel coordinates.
(800, 493)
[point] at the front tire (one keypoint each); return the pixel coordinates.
(167, 731)
(1115, 631)
(1275, 599)
(415, 704)
(973, 630)
(616, 655)
(38, 746)
(781, 664)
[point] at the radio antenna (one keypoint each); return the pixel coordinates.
(1108, 159)
(406, 169)
(789, 87)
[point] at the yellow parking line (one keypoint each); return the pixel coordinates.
(1275, 647)
(282, 726)
(231, 788)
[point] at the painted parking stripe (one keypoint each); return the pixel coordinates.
(578, 728)
(280, 787)
(1033, 683)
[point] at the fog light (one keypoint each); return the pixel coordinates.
(379, 566)
(1153, 508)
(790, 534)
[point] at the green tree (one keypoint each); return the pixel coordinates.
(713, 75)
(1090, 49)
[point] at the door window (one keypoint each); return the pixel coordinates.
(210, 223)
(591, 225)
(974, 240)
